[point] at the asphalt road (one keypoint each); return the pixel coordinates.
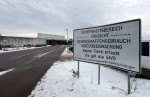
(30, 66)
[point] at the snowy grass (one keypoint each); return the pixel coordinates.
(60, 81)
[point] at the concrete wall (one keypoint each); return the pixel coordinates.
(20, 41)
(51, 36)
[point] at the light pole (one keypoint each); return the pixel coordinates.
(67, 36)
(4, 41)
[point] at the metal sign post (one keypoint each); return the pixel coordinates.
(99, 74)
(129, 82)
(78, 69)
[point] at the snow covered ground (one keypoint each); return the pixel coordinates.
(61, 81)
(17, 49)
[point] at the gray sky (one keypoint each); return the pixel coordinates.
(29, 17)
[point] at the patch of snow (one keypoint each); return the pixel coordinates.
(4, 50)
(3, 72)
(66, 52)
(60, 81)
(1, 51)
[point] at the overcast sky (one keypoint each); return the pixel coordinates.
(29, 17)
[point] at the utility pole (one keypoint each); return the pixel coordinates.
(67, 36)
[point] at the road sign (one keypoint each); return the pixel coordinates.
(116, 45)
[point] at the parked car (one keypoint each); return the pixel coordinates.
(44, 45)
(1, 46)
(9, 46)
(24, 45)
(29, 45)
(38, 45)
(71, 49)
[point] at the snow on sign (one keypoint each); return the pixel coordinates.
(116, 45)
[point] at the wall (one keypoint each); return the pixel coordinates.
(20, 41)
(51, 36)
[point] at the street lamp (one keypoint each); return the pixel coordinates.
(67, 36)
(5, 41)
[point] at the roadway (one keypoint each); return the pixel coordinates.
(30, 66)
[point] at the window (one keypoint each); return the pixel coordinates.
(145, 48)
